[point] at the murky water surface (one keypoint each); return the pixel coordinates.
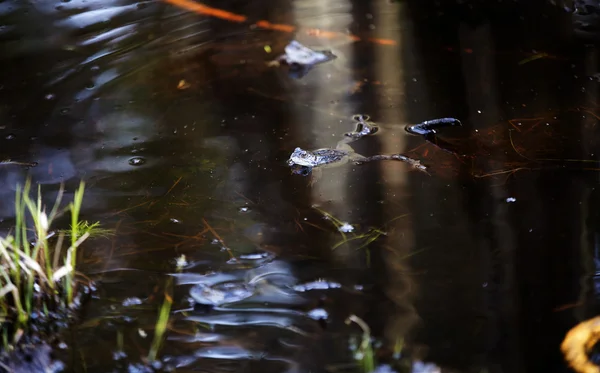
(181, 131)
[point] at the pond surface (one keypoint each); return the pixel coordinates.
(170, 113)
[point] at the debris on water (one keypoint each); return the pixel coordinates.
(244, 209)
(511, 199)
(142, 333)
(181, 262)
(173, 220)
(431, 126)
(223, 293)
(131, 302)
(254, 256)
(296, 53)
(578, 341)
(301, 59)
(317, 285)
(215, 241)
(346, 228)
(183, 84)
(17, 163)
(137, 161)
(268, 48)
(318, 314)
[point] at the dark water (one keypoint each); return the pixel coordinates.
(181, 131)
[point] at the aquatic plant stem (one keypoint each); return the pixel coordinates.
(72, 254)
(18, 224)
(365, 351)
(161, 323)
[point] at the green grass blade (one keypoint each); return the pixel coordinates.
(161, 327)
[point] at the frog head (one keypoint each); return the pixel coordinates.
(303, 157)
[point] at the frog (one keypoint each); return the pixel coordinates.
(301, 59)
(306, 162)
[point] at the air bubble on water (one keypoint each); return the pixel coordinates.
(214, 241)
(137, 161)
(511, 199)
(49, 96)
(173, 220)
(10, 136)
(244, 209)
(65, 111)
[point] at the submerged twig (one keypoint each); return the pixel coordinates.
(214, 233)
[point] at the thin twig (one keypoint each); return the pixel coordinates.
(214, 233)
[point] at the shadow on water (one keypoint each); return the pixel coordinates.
(182, 131)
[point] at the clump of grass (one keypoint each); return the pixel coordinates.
(362, 240)
(94, 229)
(37, 277)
